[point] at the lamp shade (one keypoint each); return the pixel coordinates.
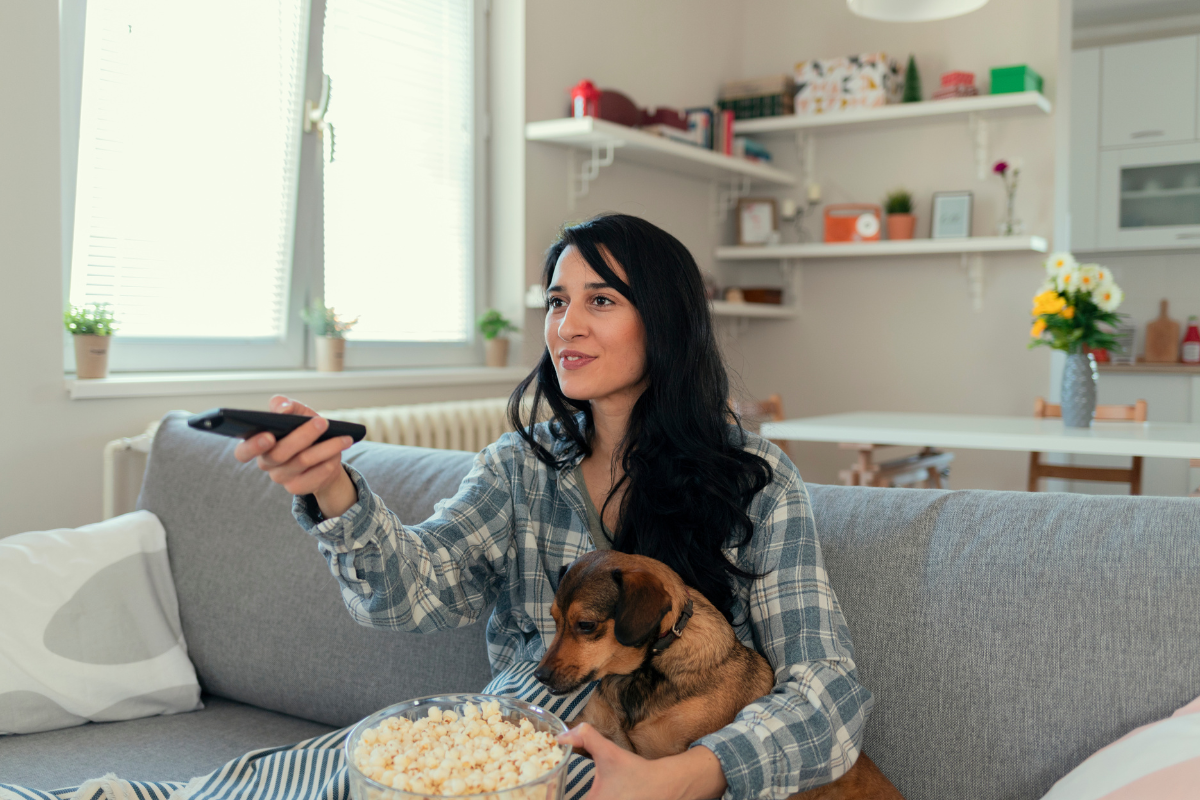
(912, 10)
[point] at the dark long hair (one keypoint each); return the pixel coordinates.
(689, 480)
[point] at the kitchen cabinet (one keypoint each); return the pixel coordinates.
(1148, 92)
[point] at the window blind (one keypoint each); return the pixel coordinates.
(398, 194)
(190, 128)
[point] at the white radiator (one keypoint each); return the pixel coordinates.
(454, 425)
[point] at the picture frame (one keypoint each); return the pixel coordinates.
(757, 220)
(951, 215)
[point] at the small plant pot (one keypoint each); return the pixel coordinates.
(900, 226)
(331, 354)
(91, 356)
(495, 352)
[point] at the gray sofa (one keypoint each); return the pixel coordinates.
(1006, 636)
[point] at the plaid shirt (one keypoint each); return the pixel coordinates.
(513, 524)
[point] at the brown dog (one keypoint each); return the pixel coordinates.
(670, 667)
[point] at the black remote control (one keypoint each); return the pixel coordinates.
(242, 424)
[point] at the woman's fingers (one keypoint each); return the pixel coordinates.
(313, 479)
(252, 448)
(294, 443)
(306, 459)
(286, 405)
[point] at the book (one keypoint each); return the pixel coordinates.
(758, 87)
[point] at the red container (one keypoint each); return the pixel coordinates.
(585, 100)
(1189, 350)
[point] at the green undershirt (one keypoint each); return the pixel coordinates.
(601, 538)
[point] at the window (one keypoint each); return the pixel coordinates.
(208, 219)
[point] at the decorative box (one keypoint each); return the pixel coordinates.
(1017, 78)
(845, 83)
(852, 222)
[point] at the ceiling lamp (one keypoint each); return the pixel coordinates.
(912, 10)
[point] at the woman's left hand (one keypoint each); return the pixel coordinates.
(622, 775)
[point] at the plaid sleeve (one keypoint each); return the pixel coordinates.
(808, 730)
(441, 573)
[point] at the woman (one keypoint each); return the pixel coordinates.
(641, 455)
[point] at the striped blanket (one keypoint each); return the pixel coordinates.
(314, 769)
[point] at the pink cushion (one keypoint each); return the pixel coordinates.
(1159, 760)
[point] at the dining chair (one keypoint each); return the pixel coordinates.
(756, 412)
(1132, 475)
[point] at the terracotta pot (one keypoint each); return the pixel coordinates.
(495, 352)
(900, 226)
(331, 354)
(91, 356)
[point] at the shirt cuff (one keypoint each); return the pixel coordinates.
(342, 531)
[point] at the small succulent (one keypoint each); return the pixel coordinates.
(898, 202)
(324, 320)
(493, 323)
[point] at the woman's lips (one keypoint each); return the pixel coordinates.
(572, 360)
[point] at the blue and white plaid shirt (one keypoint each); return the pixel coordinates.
(513, 524)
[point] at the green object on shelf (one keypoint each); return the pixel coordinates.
(912, 83)
(1017, 78)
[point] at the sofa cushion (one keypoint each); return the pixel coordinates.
(1007, 635)
(263, 617)
(170, 748)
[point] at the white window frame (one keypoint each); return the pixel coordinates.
(296, 348)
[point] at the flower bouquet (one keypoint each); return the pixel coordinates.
(1074, 303)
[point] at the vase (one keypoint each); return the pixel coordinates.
(1009, 224)
(91, 356)
(900, 226)
(1079, 390)
(495, 352)
(331, 354)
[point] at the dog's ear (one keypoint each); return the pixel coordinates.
(562, 571)
(642, 602)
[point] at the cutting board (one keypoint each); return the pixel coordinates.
(1162, 339)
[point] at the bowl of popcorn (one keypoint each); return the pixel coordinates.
(458, 745)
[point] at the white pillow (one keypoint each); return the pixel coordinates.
(90, 629)
(1160, 760)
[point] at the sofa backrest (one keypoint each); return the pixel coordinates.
(1007, 635)
(261, 613)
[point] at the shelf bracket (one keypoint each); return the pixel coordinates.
(806, 156)
(978, 128)
(588, 172)
(727, 199)
(973, 265)
(792, 274)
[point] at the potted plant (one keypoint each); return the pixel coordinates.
(330, 332)
(1068, 312)
(900, 219)
(491, 325)
(91, 327)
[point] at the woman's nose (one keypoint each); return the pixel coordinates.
(571, 324)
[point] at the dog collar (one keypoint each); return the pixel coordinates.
(668, 638)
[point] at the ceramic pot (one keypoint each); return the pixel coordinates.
(331, 354)
(900, 226)
(1079, 390)
(91, 356)
(495, 352)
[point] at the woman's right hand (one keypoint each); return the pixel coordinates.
(300, 466)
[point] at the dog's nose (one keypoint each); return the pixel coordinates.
(543, 674)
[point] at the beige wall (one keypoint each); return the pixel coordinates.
(883, 334)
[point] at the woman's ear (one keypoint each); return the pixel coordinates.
(642, 602)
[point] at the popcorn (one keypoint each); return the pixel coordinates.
(446, 753)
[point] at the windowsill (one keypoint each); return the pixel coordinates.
(168, 384)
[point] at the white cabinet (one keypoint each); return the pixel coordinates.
(1085, 146)
(1149, 92)
(1150, 197)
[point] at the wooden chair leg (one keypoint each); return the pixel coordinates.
(935, 479)
(1034, 463)
(1135, 478)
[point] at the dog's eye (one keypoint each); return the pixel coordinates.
(586, 626)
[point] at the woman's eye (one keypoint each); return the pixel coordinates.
(603, 300)
(586, 626)
(554, 302)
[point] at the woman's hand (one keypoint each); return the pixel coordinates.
(621, 775)
(300, 466)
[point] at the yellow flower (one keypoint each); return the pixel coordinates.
(1038, 326)
(1068, 312)
(1048, 302)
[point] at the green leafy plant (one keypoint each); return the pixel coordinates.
(324, 320)
(91, 319)
(493, 323)
(898, 202)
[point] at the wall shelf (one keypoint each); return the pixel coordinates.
(1015, 103)
(1145, 368)
(905, 247)
(722, 308)
(592, 135)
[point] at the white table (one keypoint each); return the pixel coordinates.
(981, 432)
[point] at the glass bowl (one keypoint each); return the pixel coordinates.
(546, 787)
